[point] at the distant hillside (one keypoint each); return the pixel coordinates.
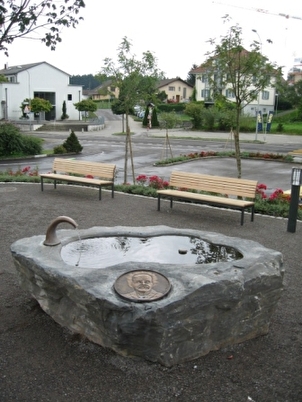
(88, 81)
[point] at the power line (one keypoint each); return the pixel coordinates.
(260, 10)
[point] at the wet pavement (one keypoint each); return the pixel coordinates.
(108, 145)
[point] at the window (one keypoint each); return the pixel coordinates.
(69, 97)
(265, 95)
(204, 78)
(112, 89)
(229, 93)
(205, 93)
(171, 88)
(179, 89)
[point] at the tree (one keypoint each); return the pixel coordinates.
(245, 73)
(3, 78)
(64, 111)
(192, 77)
(38, 105)
(162, 96)
(136, 80)
(86, 105)
(45, 18)
(150, 116)
(168, 121)
(88, 81)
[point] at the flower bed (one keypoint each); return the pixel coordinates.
(244, 155)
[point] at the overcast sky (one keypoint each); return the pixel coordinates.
(176, 32)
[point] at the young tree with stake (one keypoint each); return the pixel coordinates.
(136, 80)
(246, 73)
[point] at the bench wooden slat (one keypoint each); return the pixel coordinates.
(103, 173)
(217, 184)
(223, 191)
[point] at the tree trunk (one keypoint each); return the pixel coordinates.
(126, 152)
(237, 144)
(128, 148)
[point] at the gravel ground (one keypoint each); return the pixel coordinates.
(41, 361)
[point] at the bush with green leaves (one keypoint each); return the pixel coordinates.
(209, 117)
(59, 149)
(72, 144)
(13, 143)
(171, 107)
(194, 110)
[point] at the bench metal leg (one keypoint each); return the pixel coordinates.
(100, 193)
(55, 183)
(112, 191)
(171, 202)
(42, 188)
(252, 214)
(158, 202)
(242, 216)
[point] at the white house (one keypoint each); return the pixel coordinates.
(38, 80)
(264, 103)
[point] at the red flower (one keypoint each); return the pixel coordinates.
(25, 169)
(142, 178)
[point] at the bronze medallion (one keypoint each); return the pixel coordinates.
(142, 286)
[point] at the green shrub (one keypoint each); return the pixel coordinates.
(194, 110)
(13, 143)
(280, 128)
(154, 120)
(72, 144)
(10, 140)
(59, 150)
(171, 107)
(31, 145)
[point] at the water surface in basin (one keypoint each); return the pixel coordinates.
(101, 252)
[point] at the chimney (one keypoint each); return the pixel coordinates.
(5, 66)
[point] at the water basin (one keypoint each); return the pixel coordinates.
(100, 252)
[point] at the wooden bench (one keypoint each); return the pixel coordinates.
(223, 187)
(64, 169)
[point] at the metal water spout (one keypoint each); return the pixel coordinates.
(51, 238)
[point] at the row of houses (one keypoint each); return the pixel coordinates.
(176, 89)
(45, 81)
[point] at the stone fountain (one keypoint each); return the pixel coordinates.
(164, 309)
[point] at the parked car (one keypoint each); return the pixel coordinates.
(141, 114)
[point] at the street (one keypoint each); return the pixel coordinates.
(108, 145)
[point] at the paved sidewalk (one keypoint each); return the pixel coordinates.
(41, 361)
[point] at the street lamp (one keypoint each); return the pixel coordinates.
(29, 102)
(258, 101)
(79, 101)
